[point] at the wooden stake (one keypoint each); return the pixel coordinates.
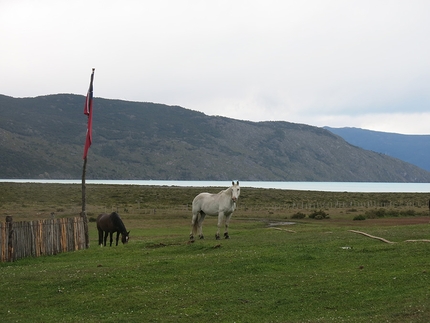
(370, 236)
(420, 240)
(284, 230)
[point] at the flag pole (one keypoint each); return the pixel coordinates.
(88, 110)
(84, 211)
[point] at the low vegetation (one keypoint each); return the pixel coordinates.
(280, 265)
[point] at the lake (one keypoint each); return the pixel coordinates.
(374, 187)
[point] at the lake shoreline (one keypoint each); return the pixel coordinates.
(350, 187)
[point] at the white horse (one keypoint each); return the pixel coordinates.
(222, 204)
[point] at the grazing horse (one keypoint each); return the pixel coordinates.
(222, 204)
(110, 223)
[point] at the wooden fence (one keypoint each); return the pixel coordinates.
(41, 237)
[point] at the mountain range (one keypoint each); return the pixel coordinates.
(414, 149)
(43, 137)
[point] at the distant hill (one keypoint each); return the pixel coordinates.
(414, 149)
(43, 137)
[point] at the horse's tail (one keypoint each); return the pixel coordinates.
(196, 223)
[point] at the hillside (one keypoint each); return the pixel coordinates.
(414, 149)
(43, 137)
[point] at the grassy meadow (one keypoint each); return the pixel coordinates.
(279, 265)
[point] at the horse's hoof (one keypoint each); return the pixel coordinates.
(191, 237)
(226, 236)
(201, 237)
(217, 236)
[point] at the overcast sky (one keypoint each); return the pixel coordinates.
(331, 63)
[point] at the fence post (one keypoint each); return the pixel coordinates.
(9, 232)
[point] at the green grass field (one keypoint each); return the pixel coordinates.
(269, 271)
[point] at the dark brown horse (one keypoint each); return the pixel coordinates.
(111, 223)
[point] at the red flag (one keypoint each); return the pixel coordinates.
(88, 110)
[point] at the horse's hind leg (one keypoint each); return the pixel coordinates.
(194, 224)
(105, 238)
(100, 238)
(200, 224)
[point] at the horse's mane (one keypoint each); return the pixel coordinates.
(118, 222)
(225, 191)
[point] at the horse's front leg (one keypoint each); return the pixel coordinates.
(227, 221)
(111, 238)
(220, 219)
(117, 237)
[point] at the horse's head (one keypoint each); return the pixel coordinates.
(235, 191)
(125, 236)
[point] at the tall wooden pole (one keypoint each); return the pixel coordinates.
(88, 110)
(84, 206)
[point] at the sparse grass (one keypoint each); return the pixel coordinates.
(321, 272)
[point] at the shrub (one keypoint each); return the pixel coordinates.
(408, 213)
(375, 213)
(319, 215)
(298, 215)
(359, 217)
(392, 213)
(380, 213)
